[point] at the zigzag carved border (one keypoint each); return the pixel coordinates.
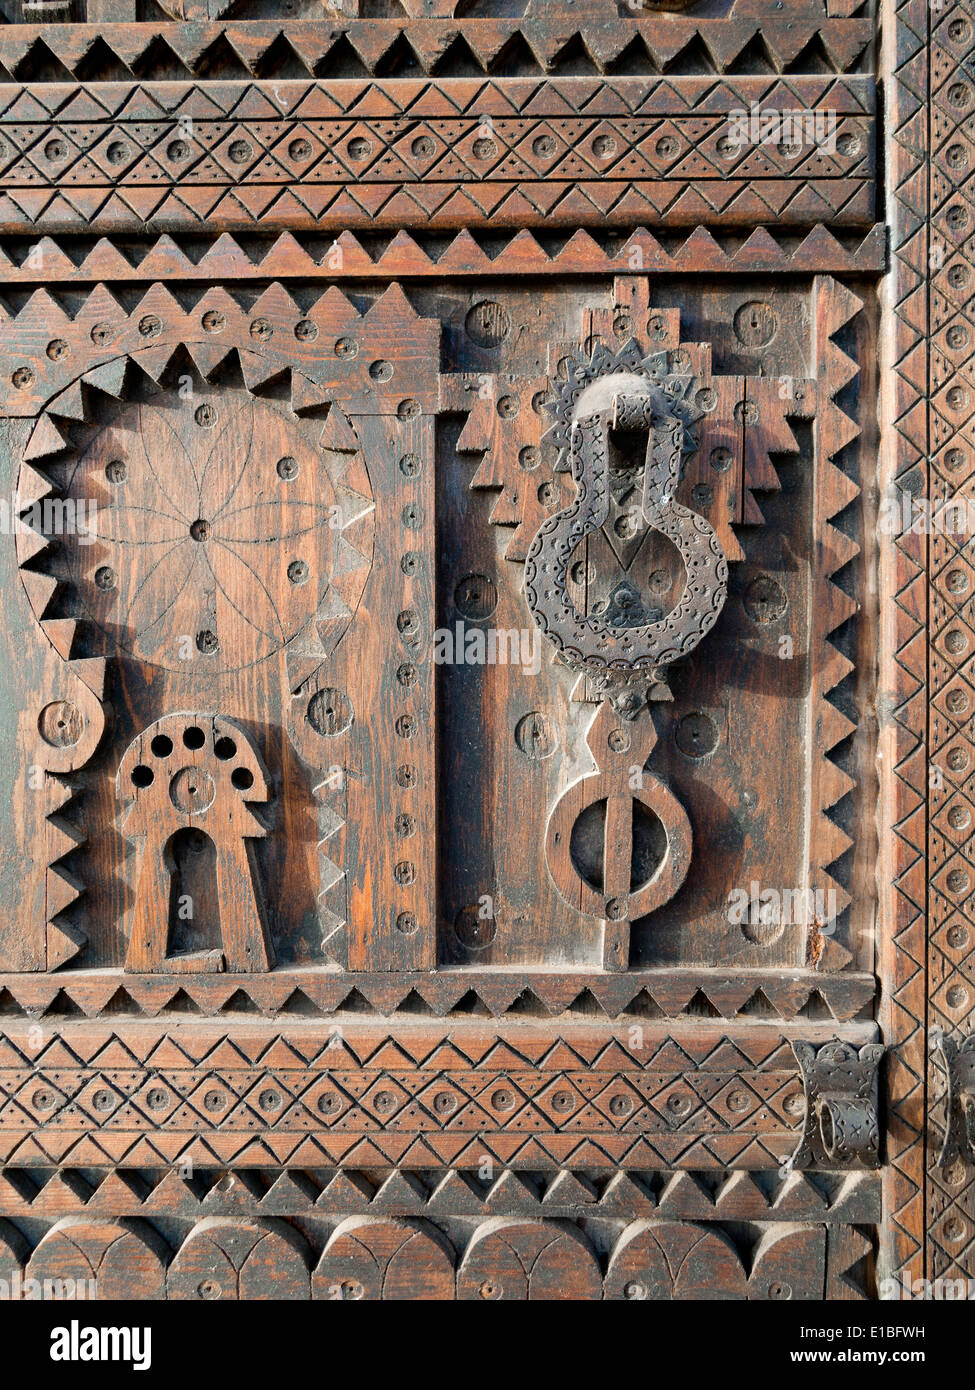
(268, 49)
(412, 255)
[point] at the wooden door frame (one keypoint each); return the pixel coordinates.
(926, 980)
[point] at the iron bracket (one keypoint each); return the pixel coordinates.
(841, 1128)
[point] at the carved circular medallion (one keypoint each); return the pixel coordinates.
(203, 532)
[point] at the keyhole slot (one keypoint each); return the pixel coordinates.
(194, 909)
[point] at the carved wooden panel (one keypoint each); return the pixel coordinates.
(456, 652)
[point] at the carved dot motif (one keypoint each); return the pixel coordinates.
(959, 817)
(300, 150)
(484, 148)
(214, 321)
(177, 151)
(359, 148)
(380, 370)
(105, 577)
(306, 331)
(346, 348)
(406, 923)
(474, 931)
(487, 323)
(22, 377)
(765, 600)
(957, 701)
(958, 759)
(697, 735)
(756, 324)
(61, 724)
(298, 572)
(260, 329)
(330, 712)
(476, 597)
(239, 151)
(956, 642)
(958, 881)
(192, 791)
(536, 736)
(57, 349)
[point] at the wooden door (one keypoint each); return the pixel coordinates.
(486, 760)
